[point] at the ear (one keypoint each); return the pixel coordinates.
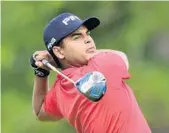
(58, 52)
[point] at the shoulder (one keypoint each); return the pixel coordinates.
(121, 54)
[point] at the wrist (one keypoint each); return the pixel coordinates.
(40, 72)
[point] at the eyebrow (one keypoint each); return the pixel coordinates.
(77, 33)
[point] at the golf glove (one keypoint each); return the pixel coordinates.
(40, 72)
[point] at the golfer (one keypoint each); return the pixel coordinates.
(71, 48)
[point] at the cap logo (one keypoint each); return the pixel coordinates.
(69, 18)
(50, 44)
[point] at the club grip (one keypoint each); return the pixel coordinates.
(45, 62)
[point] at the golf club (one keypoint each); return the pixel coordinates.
(92, 85)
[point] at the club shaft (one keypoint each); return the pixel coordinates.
(47, 64)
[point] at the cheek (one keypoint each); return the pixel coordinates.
(77, 55)
(75, 52)
(78, 48)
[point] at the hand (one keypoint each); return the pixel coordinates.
(36, 62)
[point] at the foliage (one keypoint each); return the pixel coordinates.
(126, 26)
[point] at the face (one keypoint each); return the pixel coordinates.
(76, 48)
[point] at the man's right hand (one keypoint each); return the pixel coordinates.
(36, 62)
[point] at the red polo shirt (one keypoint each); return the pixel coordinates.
(116, 112)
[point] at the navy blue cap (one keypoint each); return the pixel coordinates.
(63, 25)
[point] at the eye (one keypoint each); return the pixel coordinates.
(75, 37)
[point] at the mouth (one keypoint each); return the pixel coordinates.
(91, 50)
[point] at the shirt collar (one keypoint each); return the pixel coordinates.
(66, 72)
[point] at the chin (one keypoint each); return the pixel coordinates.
(79, 64)
(85, 62)
(90, 55)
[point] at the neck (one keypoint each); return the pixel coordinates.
(65, 65)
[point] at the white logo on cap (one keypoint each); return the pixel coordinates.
(69, 18)
(50, 45)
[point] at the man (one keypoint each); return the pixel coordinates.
(72, 49)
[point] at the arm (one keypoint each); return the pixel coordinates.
(39, 94)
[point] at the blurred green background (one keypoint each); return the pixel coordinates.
(140, 29)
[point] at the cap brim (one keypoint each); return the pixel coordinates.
(91, 23)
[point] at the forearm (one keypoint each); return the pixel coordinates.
(39, 93)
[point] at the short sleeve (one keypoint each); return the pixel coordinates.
(50, 105)
(111, 64)
(123, 56)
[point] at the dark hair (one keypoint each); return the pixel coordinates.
(54, 56)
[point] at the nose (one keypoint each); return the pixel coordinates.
(89, 43)
(87, 40)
